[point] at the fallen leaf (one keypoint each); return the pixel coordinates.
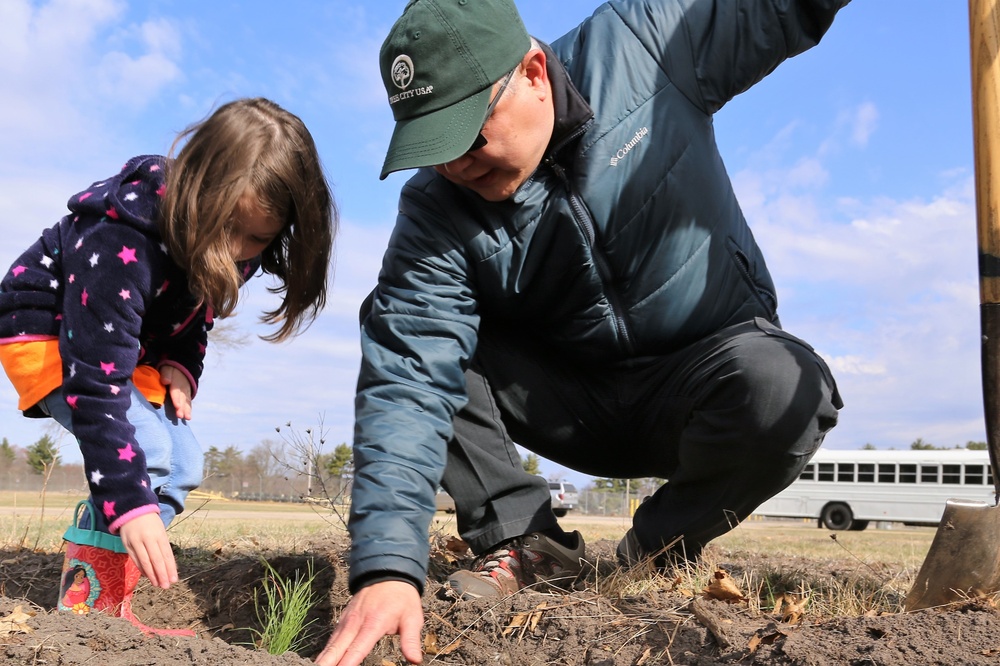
(723, 588)
(16, 622)
(536, 616)
(456, 545)
(516, 622)
(451, 647)
(778, 603)
(431, 643)
(795, 608)
(526, 621)
(759, 639)
(644, 657)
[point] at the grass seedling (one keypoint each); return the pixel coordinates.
(282, 608)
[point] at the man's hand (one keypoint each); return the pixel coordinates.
(382, 609)
(179, 389)
(146, 541)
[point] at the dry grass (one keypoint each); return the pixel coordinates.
(775, 563)
(252, 526)
(871, 570)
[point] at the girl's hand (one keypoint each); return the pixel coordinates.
(179, 389)
(146, 541)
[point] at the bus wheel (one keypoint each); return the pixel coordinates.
(837, 516)
(858, 525)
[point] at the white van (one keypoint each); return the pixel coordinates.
(564, 497)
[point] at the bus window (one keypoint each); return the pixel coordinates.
(974, 475)
(910, 487)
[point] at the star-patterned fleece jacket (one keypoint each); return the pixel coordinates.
(101, 283)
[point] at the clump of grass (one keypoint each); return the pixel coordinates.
(283, 606)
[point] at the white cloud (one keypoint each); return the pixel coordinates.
(135, 81)
(855, 365)
(886, 289)
(68, 64)
(865, 124)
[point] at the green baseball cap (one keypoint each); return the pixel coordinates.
(439, 64)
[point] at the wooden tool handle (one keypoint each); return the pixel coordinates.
(984, 38)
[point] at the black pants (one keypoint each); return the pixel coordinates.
(729, 421)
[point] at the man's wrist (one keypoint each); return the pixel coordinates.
(372, 577)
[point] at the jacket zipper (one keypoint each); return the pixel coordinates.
(586, 223)
(766, 299)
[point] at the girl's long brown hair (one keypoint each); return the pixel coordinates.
(251, 146)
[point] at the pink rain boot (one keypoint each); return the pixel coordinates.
(98, 574)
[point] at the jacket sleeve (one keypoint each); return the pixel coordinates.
(415, 345)
(107, 274)
(186, 350)
(715, 49)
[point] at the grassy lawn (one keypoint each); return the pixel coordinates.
(27, 521)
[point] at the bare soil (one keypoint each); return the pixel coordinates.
(599, 623)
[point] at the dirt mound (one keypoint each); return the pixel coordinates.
(661, 623)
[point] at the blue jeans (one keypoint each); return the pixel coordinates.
(174, 460)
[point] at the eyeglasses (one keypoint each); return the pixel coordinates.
(480, 139)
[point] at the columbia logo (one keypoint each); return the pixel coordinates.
(627, 148)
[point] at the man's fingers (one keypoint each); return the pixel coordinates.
(352, 640)
(345, 634)
(409, 638)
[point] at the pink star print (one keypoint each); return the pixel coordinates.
(71, 401)
(114, 389)
(161, 191)
(109, 509)
(127, 453)
(155, 167)
(108, 368)
(125, 294)
(112, 213)
(127, 255)
(84, 196)
(83, 297)
(18, 270)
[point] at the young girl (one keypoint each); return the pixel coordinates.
(105, 319)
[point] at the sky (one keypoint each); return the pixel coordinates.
(853, 164)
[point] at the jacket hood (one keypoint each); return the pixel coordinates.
(108, 199)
